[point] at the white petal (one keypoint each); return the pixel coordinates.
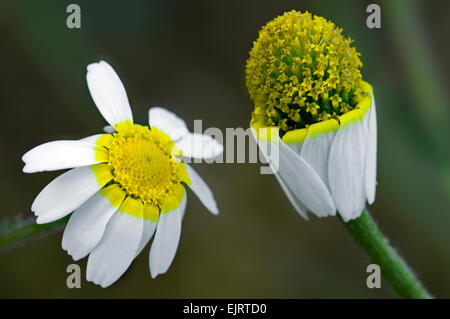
(345, 168)
(295, 201)
(371, 155)
(295, 142)
(87, 225)
(147, 233)
(117, 249)
(165, 244)
(65, 194)
(108, 93)
(57, 155)
(300, 182)
(316, 148)
(91, 139)
(168, 122)
(183, 205)
(304, 181)
(201, 189)
(199, 146)
(295, 139)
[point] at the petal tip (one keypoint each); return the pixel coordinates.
(26, 169)
(91, 66)
(40, 220)
(214, 210)
(153, 272)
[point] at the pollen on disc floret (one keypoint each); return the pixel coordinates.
(301, 71)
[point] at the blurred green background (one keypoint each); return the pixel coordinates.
(189, 56)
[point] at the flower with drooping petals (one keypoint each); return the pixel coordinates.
(304, 79)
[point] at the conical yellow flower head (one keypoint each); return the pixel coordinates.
(302, 70)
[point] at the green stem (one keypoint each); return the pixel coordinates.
(393, 269)
(18, 230)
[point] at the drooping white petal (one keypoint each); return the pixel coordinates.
(301, 183)
(345, 167)
(116, 250)
(194, 145)
(304, 181)
(147, 233)
(168, 122)
(167, 237)
(65, 194)
(201, 189)
(108, 93)
(300, 208)
(370, 181)
(87, 225)
(295, 139)
(57, 155)
(316, 148)
(298, 205)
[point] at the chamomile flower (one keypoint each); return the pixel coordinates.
(123, 186)
(304, 78)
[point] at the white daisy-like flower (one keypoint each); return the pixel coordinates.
(122, 187)
(312, 105)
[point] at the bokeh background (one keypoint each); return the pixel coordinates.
(189, 56)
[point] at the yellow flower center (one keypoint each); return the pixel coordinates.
(301, 71)
(144, 163)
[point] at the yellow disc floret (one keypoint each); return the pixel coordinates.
(301, 71)
(144, 164)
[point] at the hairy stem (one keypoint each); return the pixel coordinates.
(18, 230)
(393, 269)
